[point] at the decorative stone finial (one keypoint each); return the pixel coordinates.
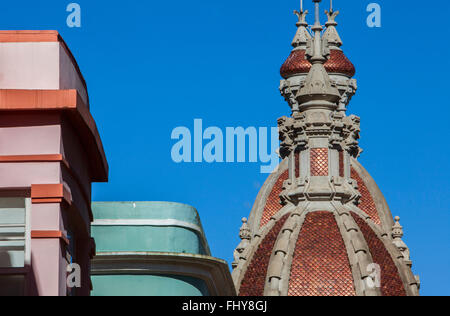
(397, 234)
(246, 236)
(302, 36)
(245, 232)
(331, 35)
(397, 229)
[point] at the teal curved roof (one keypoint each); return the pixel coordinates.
(149, 227)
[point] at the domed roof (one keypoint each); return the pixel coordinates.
(320, 225)
(326, 250)
(297, 64)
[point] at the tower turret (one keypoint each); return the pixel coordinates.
(320, 224)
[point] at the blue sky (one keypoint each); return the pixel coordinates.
(152, 66)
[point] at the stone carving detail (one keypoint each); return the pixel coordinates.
(347, 89)
(397, 235)
(245, 235)
(296, 133)
(302, 36)
(351, 135)
(331, 34)
(289, 94)
(293, 135)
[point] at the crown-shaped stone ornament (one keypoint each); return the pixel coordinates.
(302, 36)
(331, 34)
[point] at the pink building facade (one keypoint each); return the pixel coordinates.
(50, 153)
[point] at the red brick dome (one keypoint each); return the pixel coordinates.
(323, 248)
(297, 64)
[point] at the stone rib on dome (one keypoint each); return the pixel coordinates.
(391, 282)
(255, 277)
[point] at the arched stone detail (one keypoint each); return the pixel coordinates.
(391, 282)
(254, 280)
(277, 280)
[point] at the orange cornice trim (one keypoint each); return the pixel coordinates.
(46, 191)
(49, 234)
(33, 158)
(38, 99)
(67, 101)
(50, 193)
(28, 36)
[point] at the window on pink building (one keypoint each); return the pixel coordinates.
(15, 241)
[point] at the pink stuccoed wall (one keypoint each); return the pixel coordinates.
(42, 65)
(48, 261)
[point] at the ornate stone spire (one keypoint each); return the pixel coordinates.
(321, 203)
(318, 89)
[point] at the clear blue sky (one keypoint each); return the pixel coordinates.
(154, 65)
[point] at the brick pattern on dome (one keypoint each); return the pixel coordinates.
(341, 164)
(391, 283)
(367, 204)
(321, 266)
(340, 64)
(295, 64)
(273, 203)
(319, 162)
(255, 277)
